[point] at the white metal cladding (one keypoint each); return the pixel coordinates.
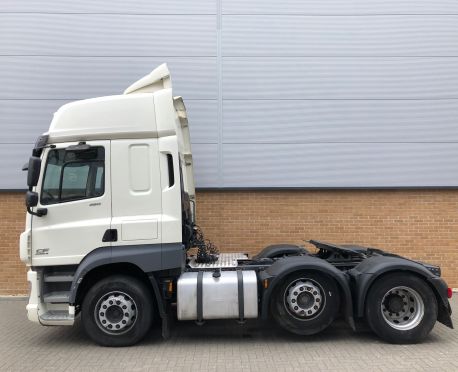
(341, 164)
(56, 77)
(101, 35)
(384, 35)
(328, 121)
(294, 93)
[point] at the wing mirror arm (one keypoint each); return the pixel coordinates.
(39, 213)
(31, 200)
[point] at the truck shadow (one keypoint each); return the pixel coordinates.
(224, 332)
(258, 331)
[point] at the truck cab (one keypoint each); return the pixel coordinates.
(113, 171)
(111, 221)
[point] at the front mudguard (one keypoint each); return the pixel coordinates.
(276, 273)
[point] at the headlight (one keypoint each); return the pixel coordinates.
(25, 247)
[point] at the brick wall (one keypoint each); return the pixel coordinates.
(420, 224)
(12, 219)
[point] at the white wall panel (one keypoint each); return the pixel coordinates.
(387, 35)
(111, 6)
(340, 78)
(309, 121)
(107, 35)
(340, 165)
(14, 156)
(203, 119)
(205, 158)
(85, 77)
(22, 121)
(294, 93)
(341, 7)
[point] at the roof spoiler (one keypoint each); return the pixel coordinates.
(156, 80)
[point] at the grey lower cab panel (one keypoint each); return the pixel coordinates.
(56, 297)
(59, 278)
(225, 260)
(232, 295)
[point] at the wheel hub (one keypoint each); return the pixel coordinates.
(304, 298)
(395, 303)
(402, 308)
(116, 312)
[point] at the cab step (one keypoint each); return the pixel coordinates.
(60, 297)
(57, 317)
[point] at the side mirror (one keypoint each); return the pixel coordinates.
(31, 199)
(33, 171)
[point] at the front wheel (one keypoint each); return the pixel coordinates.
(117, 311)
(305, 303)
(401, 308)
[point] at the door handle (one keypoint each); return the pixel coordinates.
(111, 235)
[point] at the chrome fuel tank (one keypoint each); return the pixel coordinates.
(219, 295)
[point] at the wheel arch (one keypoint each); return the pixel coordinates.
(105, 270)
(284, 267)
(375, 268)
(101, 263)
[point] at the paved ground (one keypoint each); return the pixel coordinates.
(219, 346)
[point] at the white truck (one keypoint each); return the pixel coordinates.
(111, 221)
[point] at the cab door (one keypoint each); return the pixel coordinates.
(136, 188)
(75, 190)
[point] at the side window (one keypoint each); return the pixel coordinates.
(73, 175)
(99, 181)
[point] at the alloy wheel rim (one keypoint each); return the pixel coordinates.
(304, 298)
(116, 312)
(402, 308)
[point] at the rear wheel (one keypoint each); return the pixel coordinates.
(401, 308)
(117, 311)
(306, 303)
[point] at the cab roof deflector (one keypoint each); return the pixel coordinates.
(156, 80)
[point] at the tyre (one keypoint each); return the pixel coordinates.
(117, 311)
(305, 303)
(401, 308)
